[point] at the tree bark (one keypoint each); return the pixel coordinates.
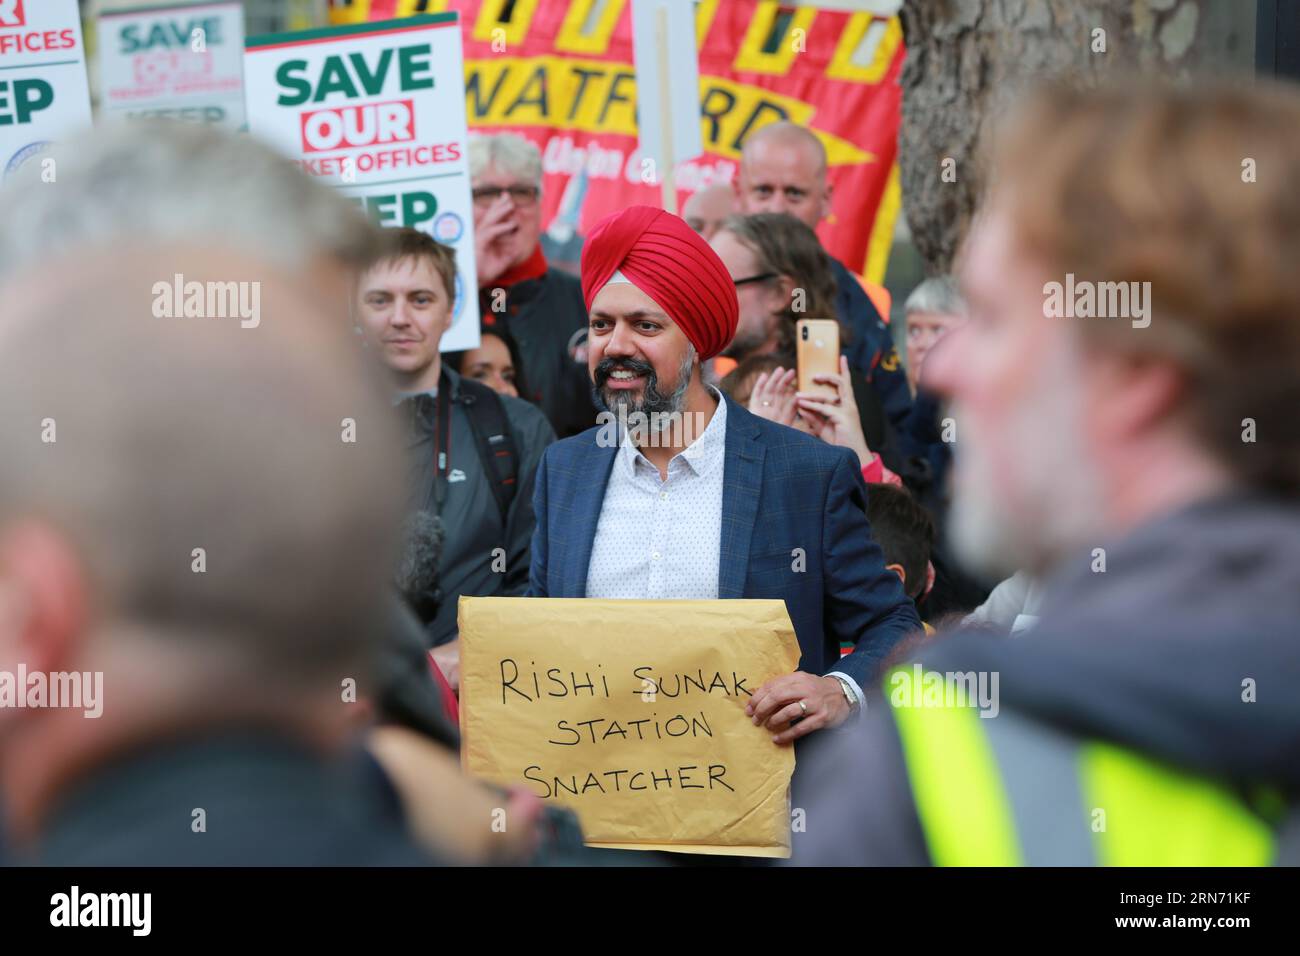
(967, 59)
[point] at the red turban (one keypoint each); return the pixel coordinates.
(668, 261)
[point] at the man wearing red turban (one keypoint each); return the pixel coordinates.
(668, 261)
(661, 500)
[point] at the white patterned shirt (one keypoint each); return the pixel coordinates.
(662, 538)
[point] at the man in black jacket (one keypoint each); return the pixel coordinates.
(520, 296)
(473, 453)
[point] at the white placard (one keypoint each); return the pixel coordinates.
(682, 81)
(180, 61)
(377, 110)
(43, 90)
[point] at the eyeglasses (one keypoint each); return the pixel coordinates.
(757, 278)
(521, 195)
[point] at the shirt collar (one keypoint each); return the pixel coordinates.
(700, 455)
(450, 375)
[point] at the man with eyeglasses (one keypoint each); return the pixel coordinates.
(782, 274)
(520, 297)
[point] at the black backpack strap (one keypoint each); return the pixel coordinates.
(497, 450)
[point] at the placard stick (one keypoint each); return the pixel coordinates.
(666, 179)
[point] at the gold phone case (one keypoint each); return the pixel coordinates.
(817, 347)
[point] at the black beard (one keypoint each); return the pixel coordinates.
(652, 400)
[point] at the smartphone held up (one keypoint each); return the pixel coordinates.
(818, 352)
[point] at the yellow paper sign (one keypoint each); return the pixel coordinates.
(632, 714)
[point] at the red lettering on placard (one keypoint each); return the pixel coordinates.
(11, 13)
(350, 127)
(168, 66)
(370, 161)
(37, 42)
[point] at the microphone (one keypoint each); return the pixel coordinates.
(417, 571)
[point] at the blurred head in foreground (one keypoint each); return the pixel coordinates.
(181, 510)
(182, 507)
(172, 182)
(1133, 337)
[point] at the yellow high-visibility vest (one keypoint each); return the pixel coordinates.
(1009, 791)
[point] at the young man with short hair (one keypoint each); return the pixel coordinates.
(474, 453)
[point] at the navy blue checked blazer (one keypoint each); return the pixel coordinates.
(810, 495)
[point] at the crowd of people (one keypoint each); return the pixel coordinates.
(259, 536)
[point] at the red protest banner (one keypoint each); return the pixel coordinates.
(560, 72)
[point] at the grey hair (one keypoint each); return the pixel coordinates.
(938, 295)
(509, 152)
(171, 182)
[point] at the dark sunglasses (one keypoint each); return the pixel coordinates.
(757, 278)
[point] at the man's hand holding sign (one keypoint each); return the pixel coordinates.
(797, 704)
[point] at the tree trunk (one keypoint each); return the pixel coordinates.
(966, 59)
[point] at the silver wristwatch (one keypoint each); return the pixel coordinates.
(851, 697)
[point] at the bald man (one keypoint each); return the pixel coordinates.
(783, 169)
(194, 554)
(707, 208)
(669, 510)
